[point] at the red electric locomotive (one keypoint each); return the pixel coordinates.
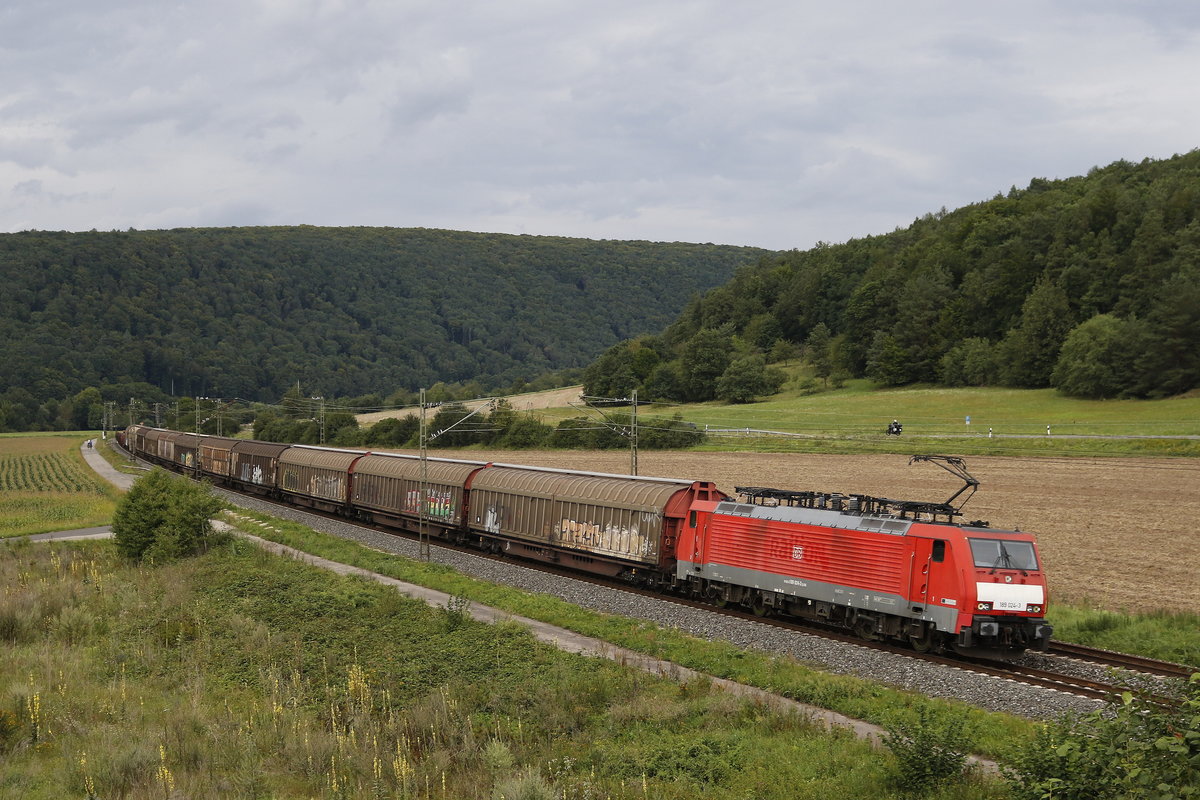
(886, 569)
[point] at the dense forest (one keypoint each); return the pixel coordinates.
(249, 312)
(1089, 284)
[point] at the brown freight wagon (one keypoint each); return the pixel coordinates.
(387, 487)
(612, 524)
(135, 438)
(317, 476)
(216, 455)
(253, 464)
(184, 449)
(157, 445)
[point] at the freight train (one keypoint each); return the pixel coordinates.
(888, 570)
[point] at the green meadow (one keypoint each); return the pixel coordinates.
(852, 419)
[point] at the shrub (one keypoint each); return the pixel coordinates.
(929, 751)
(1138, 747)
(163, 518)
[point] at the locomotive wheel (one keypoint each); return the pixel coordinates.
(758, 607)
(924, 642)
(864, 627)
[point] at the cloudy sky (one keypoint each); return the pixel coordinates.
(773, 123)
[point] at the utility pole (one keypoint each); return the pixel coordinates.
(633, 443)
(422, 534)
(320, 414)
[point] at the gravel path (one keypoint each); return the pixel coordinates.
(994, 694)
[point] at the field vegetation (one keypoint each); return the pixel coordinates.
(239, 674)
(45, 485)
(808, 417)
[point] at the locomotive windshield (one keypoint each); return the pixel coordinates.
(999, 554)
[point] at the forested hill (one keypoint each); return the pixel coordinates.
(249, 311)
(1090, 284)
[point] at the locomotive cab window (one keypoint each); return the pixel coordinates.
(1001, 554)
(939, 550)
(692, 519)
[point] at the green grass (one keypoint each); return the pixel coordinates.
(852, 420)
(1159, 634)
(45, 485)
(239, 674)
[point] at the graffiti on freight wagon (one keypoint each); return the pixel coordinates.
(440, 503)
(624, 540)
(252, 473)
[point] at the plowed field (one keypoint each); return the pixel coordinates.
(1119, 533)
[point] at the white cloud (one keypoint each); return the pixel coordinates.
(768, 123)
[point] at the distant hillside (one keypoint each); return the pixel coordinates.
(1090, 284)
(249, 311)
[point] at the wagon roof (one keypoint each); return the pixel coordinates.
(183, 439)
(617, 491)
(325, 457)
(219, 442)
(396, 465)
(253, 447)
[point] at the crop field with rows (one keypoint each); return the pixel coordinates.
(45, 485)
(46, 472)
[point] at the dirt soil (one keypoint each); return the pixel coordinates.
(1118, 533)
(551, 398)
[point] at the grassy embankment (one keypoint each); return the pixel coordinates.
(852, 420)
(45, 485)
(243, 674)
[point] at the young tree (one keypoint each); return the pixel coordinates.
(164, 517)
(1029, 351)
(818, 347)
(705, 358)
(887, 361)
(747, 378)
(1097, 357)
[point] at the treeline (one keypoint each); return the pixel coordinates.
(454, 425)
(248, 312)
(1090, 285)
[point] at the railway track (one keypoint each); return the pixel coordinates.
(1062, 681)
(1125, 661)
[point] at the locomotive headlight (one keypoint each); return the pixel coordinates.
(1033, 608)
(983, 606)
